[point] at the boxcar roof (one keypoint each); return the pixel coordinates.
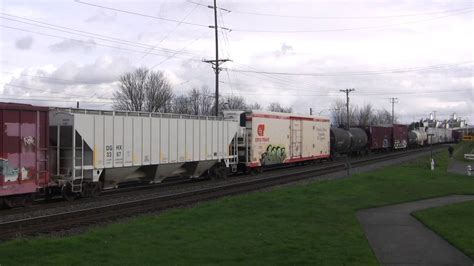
(21, 106)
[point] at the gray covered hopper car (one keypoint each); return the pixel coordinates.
(92, 149)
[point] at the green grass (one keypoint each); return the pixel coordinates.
(310, 224)
(454, 222)
(462, 148)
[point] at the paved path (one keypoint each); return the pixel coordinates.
(460, 167)
(397, 238)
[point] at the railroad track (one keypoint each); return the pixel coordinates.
(42, 204)
(67, 220)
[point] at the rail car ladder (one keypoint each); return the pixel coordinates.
(296, 138)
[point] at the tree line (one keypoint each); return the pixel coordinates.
(150, 91)
(365, 115)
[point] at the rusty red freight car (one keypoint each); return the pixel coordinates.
(400, 136)
(23, 152)
(380, 137)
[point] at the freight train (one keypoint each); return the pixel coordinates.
(78, 152)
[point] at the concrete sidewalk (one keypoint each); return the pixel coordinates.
(458, 167)
(398, 238)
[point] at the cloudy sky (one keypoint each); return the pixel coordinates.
(297, 53)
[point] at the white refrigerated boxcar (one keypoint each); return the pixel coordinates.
(270, 138)
(90, 146)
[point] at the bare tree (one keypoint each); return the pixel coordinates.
(233, 102)
(180, 105)
(143, 90)
(254, 106)
(365, 115)
(195, 101)
(339, 113)
(383, 117)
(277, 107)
(207, 102)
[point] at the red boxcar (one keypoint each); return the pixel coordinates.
(400, 136)
(23, 152)
(380, 137)
(457, 135)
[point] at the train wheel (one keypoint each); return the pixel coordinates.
(95, 189)
(48, 196)
(28, 200)
(256, 171)
(220, 172)
(9, 202)
(68, 194)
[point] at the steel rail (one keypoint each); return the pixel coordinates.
(71, 219)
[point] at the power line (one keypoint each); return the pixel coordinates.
(297, 89)
(227, 44)
(184, 47)
(49, 78)
(359, 94)
(47, 100)
(274, 78)
(86, 34)
(458, 12)
(86, 42)
(172, 31)
(209, 6)
(360, 73)
(348, 17)
(142, 15)
(355, 28)
(66, 95)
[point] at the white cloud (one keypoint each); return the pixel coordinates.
(102, 16)
(73, 45)
(92, 84)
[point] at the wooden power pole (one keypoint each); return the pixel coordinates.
(215, 63)
(393, 101)
(347, 91)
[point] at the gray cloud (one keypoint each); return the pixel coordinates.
(73, 45)
(284, 50)
(24, 43)
(91, 84)
(102, 16)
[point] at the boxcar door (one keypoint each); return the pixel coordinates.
(296, 131)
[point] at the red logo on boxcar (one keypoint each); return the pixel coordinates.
(261, 129)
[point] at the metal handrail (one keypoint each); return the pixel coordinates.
(140, 114)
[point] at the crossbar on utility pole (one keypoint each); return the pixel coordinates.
(393, 101)
(347, 91)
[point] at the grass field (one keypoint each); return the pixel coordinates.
(462, 148)
(306, 224)
(454, 222)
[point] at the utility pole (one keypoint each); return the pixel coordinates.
(393, 101)
(347, 91)
(310, 111)
(215, 63)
